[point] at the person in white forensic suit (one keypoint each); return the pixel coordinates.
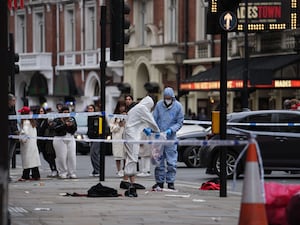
(138, 118)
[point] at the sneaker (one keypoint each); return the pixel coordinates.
(73, 176)
(143, 174)
(53, 174)
(124, 184)
(171, 186)
(120, 173)
(94, 174)
(62, 176)
(131, 192)
(158, 187)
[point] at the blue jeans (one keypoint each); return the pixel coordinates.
(169, 159)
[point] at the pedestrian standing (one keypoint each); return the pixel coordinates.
(28, 147)
(138, 118)
(45, 146)
(129, 102)
(12, 126)
(64, 145)
(117, 125)
(168, 114)
(94, 146)
(145, 158)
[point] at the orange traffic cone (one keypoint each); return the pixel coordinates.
(253, 211)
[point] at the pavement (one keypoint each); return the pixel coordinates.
(44, 202)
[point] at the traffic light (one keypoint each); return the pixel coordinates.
(119, 36)
(13, 57)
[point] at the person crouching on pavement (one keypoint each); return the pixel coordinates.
(168, 114)
(28, 147)
(65, 149)
(138, 118)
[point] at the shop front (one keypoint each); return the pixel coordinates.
(271, 80)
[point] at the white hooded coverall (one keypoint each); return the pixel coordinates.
(139, 117)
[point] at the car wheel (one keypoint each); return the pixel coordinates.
(230, 162)
(191, 156)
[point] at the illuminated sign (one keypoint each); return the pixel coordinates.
(262, 14)
(268, 15)
(237, 84)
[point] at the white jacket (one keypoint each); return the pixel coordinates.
(140, 117)
(28, 146)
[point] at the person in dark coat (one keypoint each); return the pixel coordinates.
(64, 145)
(129, 102)
(95, 146)
(12, 125)
(45, 146)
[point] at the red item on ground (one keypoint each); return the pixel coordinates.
(277, 198)
(210, 185)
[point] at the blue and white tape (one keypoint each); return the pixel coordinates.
(165, 142)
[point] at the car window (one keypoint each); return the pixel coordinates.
(289, 118)
(258, 118)
(81, 120)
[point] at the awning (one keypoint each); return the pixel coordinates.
(38, 85)
(263, 72)
(65, 85)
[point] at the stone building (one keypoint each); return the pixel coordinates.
(59, 45)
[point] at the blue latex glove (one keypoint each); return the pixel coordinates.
(147, 131)
(168, 132)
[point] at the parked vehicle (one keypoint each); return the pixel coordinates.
(82, 147)
(278, 140)
(190, 154)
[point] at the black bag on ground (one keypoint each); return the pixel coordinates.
(99, 190)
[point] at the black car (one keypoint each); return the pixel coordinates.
(189, 154)
(276, 133)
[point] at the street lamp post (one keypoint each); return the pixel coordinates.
(178, 56)
(103, 81)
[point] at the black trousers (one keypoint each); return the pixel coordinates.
(35, 173)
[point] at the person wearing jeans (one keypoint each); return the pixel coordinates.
(94, 146)
(168, 114)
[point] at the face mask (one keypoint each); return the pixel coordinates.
(168, 101)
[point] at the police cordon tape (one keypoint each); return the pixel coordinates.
(166, 142)
(121, 116)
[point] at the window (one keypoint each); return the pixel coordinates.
(39, 31)
(20, 38)
(171, 23)
(258, 118)
(143, 12)
(289, 118)
(143, 15)
(69, 29)
(90, 28)
(172, 15)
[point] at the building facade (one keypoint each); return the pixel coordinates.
(164, 27)
(59, 45)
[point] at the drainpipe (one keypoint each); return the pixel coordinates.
(57, 34)
(186, 49)
(81, 38)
